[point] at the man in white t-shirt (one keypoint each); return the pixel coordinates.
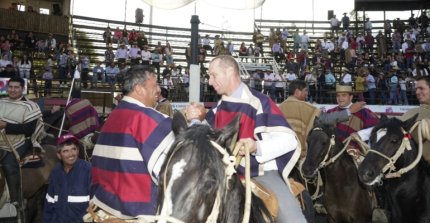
(346, 77)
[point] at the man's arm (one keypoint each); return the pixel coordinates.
(340, 116)
(14, 129)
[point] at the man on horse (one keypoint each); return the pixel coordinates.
(69, 186)
(263, 129)
(301, 114)
(18, 120)
(129, 152)
(362, 119)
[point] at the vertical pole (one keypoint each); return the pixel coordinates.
(194, 93)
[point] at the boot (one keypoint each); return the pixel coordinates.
(13, 179)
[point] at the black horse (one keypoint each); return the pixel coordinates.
(409, 194)
(194, 175)
(344, 197)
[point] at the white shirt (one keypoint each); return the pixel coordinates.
(291, 76)
(346, 78)
(334, 22)
(268, 79)
(146, 55)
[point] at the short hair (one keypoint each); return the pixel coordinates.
(297, 84)
(164, 92)
(227, 61)
(424, 78)
(17, 79)
(138, 74)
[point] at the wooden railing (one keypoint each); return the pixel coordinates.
(24, 21)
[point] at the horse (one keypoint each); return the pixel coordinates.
(193, 186)
(34, 181)
(393, 148)
(344, 197)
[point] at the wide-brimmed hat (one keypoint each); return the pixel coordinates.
(343, 89)
(345, 69)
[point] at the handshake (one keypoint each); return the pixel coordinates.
(195, 111)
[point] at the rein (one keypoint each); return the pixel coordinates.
(405, 145)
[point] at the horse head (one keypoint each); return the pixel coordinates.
(321, 139)
(193, 175)
(392, 147)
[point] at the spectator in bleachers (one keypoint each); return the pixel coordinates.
(343, 49)
(334, 23)
(230, 48)
(359, 84)
(243, 52)
(112, 72)
(222, 49)
(381, 43)
(62, 68)
(279, 88)
(346, 78)
(393, 83)
(50, 43)
(368, 25)
(157, 59)
(123, 68)
(124, 36)
(207, 43)
(396, 39)
(345, 21)
(302, 61)
(412, 21)
(24, 67)
(387, 28)
(284, 38)
(258, 39)
(71, 63)
(30, 42)
(277, 51)
(168, 54)
(269, 84)
(132, 36)
(6, 48)
(399, 26)
(369, 40)
(107, 36)
(117, 35)
(217, 43)
(257, 53)
(403, 99)
(84, 68)
(370, 84)
(167, 82)
(141, 40)
(272, 37)
(47, 79)
(134, 54)
(423, 20)
(311, 82)
(146, 55)
(409, 54)
(121, 54)
(98, 74)
(304, 41)
(289, 77)
(109, 56)
(382, 86)
(250, 52)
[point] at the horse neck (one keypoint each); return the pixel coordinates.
(342, 168)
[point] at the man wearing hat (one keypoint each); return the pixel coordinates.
(146, 55)
(207, 43)
(69, 187)
(346, 77)
(345, 21)
(121, 54)
(362, 119)
(19, 118)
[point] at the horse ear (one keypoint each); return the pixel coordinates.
(229, 134)
(410, 122)
(383, 117)
(179, 123)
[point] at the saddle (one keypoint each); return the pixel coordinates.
(267, 196)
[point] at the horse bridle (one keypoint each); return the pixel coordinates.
(229, 164)
(326, 161)
(389, 170)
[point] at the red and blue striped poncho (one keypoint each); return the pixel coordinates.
(259, 114)
(362, 119)
(130, 144)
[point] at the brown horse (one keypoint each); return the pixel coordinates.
(345, 198)
(34, 181)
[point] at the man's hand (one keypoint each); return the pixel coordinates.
(55, 108)
(248, 143)
(195, 111)
(357, 106)
(2, 124)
